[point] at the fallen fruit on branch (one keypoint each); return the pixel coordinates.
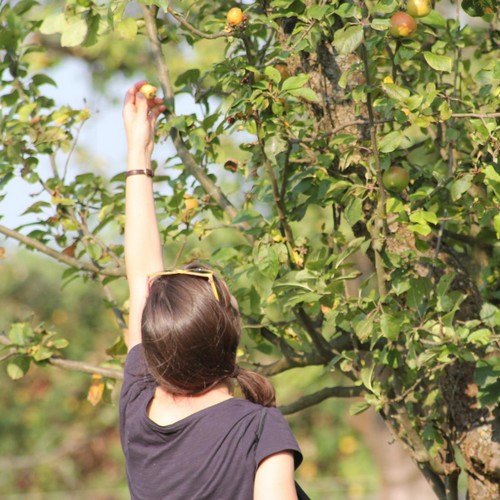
(148, 90)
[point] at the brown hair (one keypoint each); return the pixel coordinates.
(190, 338)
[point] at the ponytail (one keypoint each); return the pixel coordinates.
(255, 387)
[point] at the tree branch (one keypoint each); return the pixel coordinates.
(59, 256)
(81, 366)
(195, 31)
(317, 397)
(72, 365)
(278, 200)
(321, 344)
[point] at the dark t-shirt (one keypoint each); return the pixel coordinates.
(211, 454)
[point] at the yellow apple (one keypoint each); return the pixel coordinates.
(418, 8)
(234, 16)
(148, 90)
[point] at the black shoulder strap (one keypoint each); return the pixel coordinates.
(301, 494)
(262, 419)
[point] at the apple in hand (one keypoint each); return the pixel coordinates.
(418, 8)
(148, 90)
(402, 25)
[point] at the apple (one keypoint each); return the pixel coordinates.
(234, 16)
(396, 178)
(402, 25)
(418, 8)
(148, 90)
(190, 207)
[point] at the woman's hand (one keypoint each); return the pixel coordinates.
(139, 116)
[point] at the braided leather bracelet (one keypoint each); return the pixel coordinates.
(144, 171)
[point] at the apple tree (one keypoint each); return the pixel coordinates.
(343, 161)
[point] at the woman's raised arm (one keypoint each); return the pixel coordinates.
(143, 250)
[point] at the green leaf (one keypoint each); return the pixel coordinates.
(60, 343)
(496, 225)
(294, 82)
(418, 293)
(354, 211)
(18, 367)
(423, 217)
(490, 315)
(357, 408)
(347, 40)
(367, 376)
(390, 142)
(191, 76)
(306, 93)
(439, 63)
(74, 33)
(53, 23)
(444, 283)
(317, 11)
(380, 24)
(363, 329)
(42, 79)
(396, 92)
(390, 326)
(20, 334)
(460, 186)
(480, 337)
(41, 353)
(273, 74)
(127, 29)
(434, 19)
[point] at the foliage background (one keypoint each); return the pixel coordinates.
(292, 265)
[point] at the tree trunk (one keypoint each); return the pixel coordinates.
(477, 432)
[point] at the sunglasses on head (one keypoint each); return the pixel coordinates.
(196, 272)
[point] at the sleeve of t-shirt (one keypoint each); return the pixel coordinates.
(276, 437)
(136, 376)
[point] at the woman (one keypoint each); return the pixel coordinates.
(183, 433)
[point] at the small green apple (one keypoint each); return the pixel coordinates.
(396, 178)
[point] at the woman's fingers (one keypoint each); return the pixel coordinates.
(131, 95)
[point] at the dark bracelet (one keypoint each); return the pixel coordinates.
(144, 171)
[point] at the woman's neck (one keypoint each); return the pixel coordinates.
(166, 408)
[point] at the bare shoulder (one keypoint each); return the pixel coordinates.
(275, 478)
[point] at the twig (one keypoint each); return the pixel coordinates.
(72, 150)
(81, 366)
(475, 115)
(321, 344)
(59, 256)
(286, 164)
(195, 31)
(279, 342)
(278, 200)
(317, 397)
